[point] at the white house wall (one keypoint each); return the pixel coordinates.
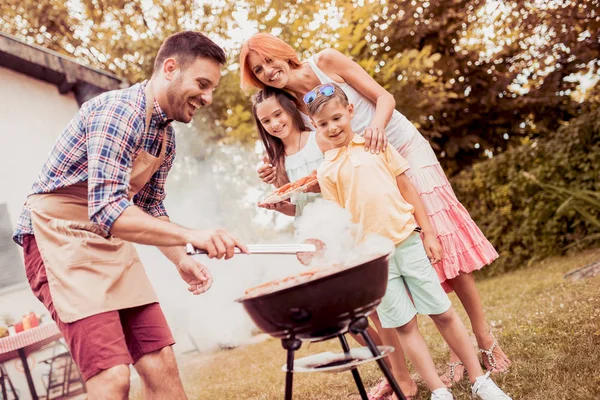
(32, 115)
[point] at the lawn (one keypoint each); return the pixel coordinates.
(549, 326)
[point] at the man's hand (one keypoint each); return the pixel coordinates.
(217, 243)
(196, 275)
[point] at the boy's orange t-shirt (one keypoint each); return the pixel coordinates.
(365, 184)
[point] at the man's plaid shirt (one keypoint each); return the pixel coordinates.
(99, 146)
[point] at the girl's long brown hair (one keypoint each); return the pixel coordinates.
(274, 145)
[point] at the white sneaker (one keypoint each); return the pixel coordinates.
(441, 394)
(484, 388)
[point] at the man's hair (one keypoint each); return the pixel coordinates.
(185, 47)
(319, 102)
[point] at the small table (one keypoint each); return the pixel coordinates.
(24, 343)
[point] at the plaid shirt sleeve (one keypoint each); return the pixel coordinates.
(151, 197)
(112, 131)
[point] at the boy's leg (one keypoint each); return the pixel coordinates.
(374, 334)
(418, 354)
(389, 337)
(429, 298)
(455, 334)
(396, 310)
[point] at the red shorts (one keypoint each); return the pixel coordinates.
(105, 340)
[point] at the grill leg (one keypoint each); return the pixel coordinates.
(360, 326)
(291, 345)
(355, 374)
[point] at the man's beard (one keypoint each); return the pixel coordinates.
(177, 103)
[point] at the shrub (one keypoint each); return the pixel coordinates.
(515, 213)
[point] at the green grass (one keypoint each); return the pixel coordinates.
(548, 326)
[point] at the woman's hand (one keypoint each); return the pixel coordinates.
(375, 139)
(433, 248)
(266, 172)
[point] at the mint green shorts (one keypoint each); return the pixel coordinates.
(411, 275)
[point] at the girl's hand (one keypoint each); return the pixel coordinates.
(375, 139)
(433, 248)
(282, 206)
(266, 172)
(313, 188)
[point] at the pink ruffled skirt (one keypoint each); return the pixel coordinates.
(466, 249)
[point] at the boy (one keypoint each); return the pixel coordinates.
(391, 207)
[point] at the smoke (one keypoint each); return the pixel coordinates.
(346, 244)
(216, 187)
(209, 191)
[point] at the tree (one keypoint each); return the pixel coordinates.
(507, 68)
(475, 76)
(115, 35)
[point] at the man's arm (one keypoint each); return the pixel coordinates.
(112, 132)
(174, 253)
(134, 225)
(192, 271)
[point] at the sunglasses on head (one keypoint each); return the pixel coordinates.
(325, 90)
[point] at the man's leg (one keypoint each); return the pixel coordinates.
(149, 340)
(112, 383)
(160, 375)
(97, 343)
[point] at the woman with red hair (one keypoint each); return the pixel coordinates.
(266, 60)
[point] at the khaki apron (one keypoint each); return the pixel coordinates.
(89, 274)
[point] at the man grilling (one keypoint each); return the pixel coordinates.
(102, 189)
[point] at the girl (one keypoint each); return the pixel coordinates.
(266, 61)
(294, 152)
(291, 147)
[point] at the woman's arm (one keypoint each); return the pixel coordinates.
(335, 63)
(410, 194)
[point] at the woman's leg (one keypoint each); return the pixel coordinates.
(464, 286)
(455, 334)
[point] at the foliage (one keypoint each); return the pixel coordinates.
(116, 35)
(476, 76)
(503, 71)
(523, 221)
(585, 202)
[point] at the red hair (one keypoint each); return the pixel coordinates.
(267, 46)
